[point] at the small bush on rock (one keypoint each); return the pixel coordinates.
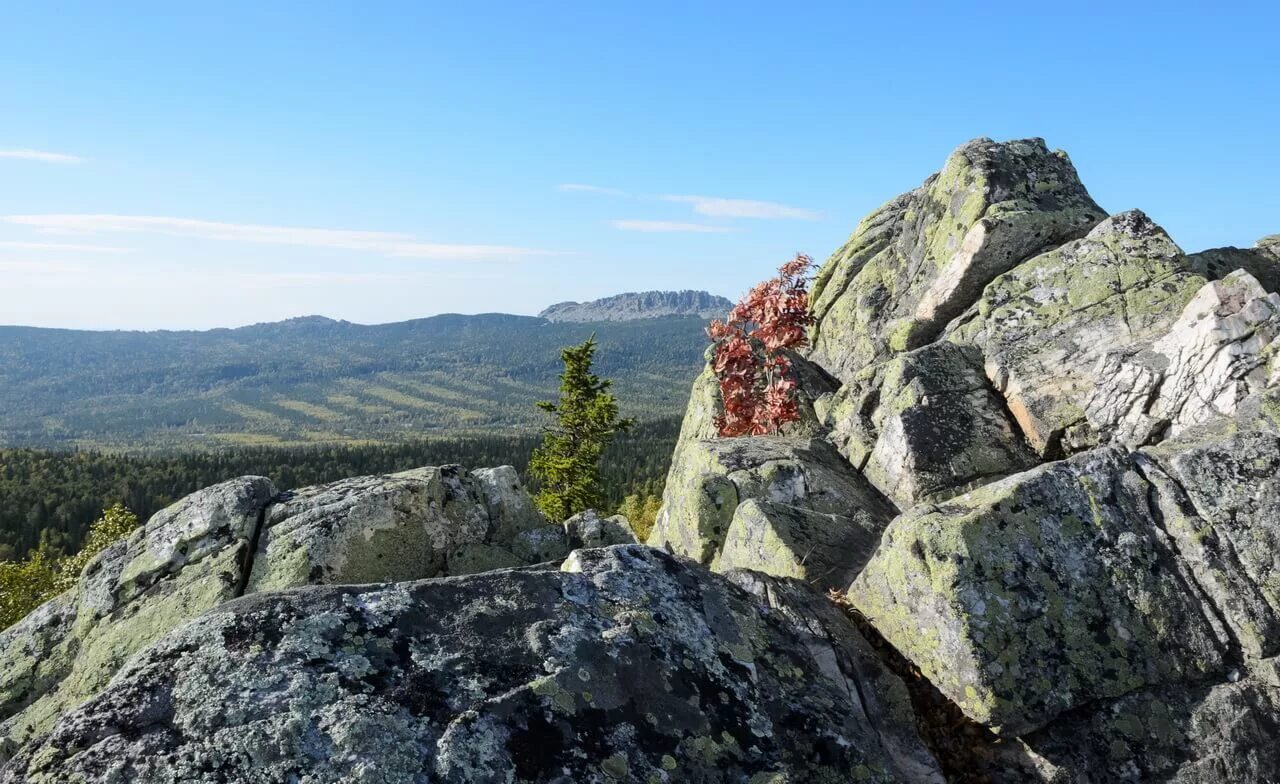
(756, 384)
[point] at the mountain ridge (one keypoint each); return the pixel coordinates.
(635, 305)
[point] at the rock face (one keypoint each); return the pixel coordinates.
(1077, 425)
(920, 260)
(788, 506)
(243, 536)
(926, 424)
(1044, 326)
(624, 665)
(641, 305)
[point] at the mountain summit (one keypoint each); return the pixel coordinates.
(640, 305)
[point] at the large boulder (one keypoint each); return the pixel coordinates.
(786, 506)
(1261, 261)
(626, 665)
(925, 425)
(1042, 592)
(920, 260)
(1044, 326)
(244, 536)
(1191, 733)
(422, 523)
(589, 529)
(188, 558)
(1213, 357)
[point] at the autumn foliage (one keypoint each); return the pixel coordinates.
(756, 383)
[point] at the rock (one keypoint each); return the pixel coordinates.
(1223, 509)
(628, 665)
(824, 549)
(1045, 326)
(926, 424)
(1212, 358)
(511, 510)
(413, 525)
(588, 529)
(188, 558)
(1041, 593)
(919, 261)
(714, 477)
(243, 536)
(1261, 261)
(1192, 734)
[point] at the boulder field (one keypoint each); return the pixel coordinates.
(1034, 491)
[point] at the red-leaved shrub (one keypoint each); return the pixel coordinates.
(756, 383)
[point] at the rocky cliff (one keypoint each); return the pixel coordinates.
(1046, 473)
(640, 305)
(1026, 530)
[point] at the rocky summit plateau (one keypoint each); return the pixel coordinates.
(637, 305)
(1027, 529)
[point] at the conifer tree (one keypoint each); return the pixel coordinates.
(567, 464)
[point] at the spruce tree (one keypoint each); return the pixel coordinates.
(567, 464)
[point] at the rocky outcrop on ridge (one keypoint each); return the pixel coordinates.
(243, 537)
(623, 665)
(640, 305)
(1076, 425)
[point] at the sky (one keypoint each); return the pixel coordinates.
(198, 165)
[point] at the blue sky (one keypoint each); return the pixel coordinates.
(229, 163)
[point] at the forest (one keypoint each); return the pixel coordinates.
(50, 498)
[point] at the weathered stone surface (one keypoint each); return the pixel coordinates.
(1045, 325)
(511, 510)
(186, 559)
(715, 476)
(36, 653)
(589, 529)
(627, 666)
(1189, 734)
(919, 261)
(1225, 484)
(1261, 261)
(413, 525)
(214, 546)
(1040, 593)
(1213, 357)
(824, 549)
(926, 424)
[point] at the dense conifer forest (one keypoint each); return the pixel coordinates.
(51, 497)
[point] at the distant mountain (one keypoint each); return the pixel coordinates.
(640, 305)
(316, 380)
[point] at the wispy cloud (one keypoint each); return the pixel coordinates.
(578, 188)
(389, 244)
(669, 226)
(744, 208)
(42, 156)
(64, 247)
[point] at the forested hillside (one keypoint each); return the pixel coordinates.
(314, 380)
(54, 496)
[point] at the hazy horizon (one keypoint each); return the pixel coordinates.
(186, 169)
(302, 316)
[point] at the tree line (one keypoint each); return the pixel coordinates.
(49, 499)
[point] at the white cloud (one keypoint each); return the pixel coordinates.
(62, 246)
(39, 155)
(390, 244)
(744, 208)
(575, 187)
(669, 226)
